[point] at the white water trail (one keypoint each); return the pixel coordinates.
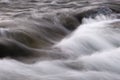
(93, 35)
(3, 32)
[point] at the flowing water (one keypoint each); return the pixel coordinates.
(59, 39)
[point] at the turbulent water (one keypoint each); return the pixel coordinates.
(59, 40)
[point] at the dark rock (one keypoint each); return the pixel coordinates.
(93, 12)
(68, 21)
(12, 48)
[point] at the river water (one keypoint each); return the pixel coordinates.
(59, 39)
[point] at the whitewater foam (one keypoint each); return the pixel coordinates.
(91, 36)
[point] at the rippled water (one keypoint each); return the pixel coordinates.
(59, 39)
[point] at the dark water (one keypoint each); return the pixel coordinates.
(59, 39)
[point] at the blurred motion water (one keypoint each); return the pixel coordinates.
(59, 39)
